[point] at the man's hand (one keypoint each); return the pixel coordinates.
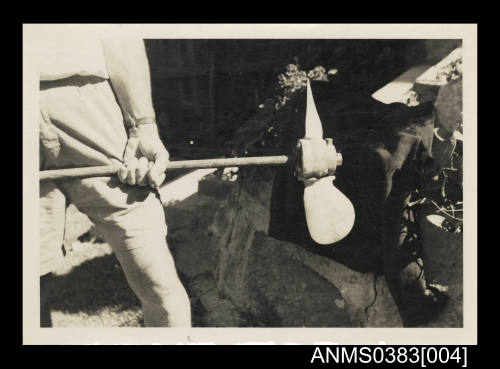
(145, 159)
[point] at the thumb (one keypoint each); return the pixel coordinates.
(156, 174)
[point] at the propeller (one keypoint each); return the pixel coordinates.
(329, 213)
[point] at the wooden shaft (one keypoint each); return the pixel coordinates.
(109, 170)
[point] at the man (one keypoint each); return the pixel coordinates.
(96, 109)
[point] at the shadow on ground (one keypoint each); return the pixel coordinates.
(91, 286)
(95, 292)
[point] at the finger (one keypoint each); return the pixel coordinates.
(141, 171)
(161, 179)
(129, 153)
(156, 174)
(131, 166)
(122, 173)
(150, 165)
(130, 149)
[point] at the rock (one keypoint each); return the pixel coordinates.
(218, 311)
(188, 241)
(367, 297)
(282, 291)
(443, 260)
(281, 284)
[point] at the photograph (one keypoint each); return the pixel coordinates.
(206, 179)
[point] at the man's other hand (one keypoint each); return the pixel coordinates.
(145, 159)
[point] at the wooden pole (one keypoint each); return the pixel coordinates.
(109, 170)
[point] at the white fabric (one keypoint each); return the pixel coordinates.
(65, 55)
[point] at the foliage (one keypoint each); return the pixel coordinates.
(446, 196)
(294, 79)
(450, 202)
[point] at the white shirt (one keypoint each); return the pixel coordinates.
(64, 55)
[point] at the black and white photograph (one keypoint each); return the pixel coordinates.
(250, 176)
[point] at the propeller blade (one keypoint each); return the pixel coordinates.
(329, 213)
(314, 129)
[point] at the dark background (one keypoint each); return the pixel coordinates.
(203, 90)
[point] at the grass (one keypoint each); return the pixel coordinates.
(90, 290)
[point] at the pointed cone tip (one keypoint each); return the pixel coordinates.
(313, 127)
